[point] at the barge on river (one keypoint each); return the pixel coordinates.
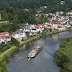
(35, 51)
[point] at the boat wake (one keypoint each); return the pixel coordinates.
(29, 59)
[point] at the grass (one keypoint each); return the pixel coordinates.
(8, 53)
(1, 53)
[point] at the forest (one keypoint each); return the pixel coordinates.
(14, 10)
(34, 4)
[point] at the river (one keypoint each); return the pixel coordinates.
(44, 61)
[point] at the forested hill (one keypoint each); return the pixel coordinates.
(34, 3)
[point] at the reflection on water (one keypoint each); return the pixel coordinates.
(44, 61)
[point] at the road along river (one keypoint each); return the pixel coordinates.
(44, 61)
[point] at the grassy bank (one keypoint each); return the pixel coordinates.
(63, 56)
(27, 41)
(7, 53)
(4, 57)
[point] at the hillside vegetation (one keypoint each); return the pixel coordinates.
(63, 56)
(36, 4)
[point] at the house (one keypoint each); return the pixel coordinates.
(19, 34)
(62, 2)
(56, 24)
(70, 12)
(4, 34)
(26, 9)
(49, 27)
(36, 14)
(34, 30)
(45, 6)
(32, 34)
(70, 21)
(63, 25)
(32, 26)
(57, 13)
(60, 29)
(27, 29)
(50, 13)
(4, 22)
(26, 24)
(38, 29)
(50, 19)
(5, 37)
(46, 15)
(61, 12)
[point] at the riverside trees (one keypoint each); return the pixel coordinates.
(63, 56)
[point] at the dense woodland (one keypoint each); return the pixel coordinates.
(13, 10)
(35, 4)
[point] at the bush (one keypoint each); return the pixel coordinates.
(22, 39)
(14, 41)
(63, 57)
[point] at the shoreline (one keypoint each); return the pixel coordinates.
(62, 56)
(16, 47)
(6, 55)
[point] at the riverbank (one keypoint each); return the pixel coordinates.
(10, 52)
(14, 48)
(4, 56)
(63, 56)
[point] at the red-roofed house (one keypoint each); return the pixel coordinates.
(5, 37)
(4, 34)
(49, 19)
(70, 12)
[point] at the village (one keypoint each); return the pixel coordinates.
(56, 22)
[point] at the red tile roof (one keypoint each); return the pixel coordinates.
(7, 37)
(37, 27)
(49, 19)
(70, 11)
(4, 33)
(42, 24)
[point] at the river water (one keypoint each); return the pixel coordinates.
(44, 61)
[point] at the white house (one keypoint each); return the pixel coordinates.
(60, 29)
(27, 29)
(37, 29)
(49, 27)
(61, 12)
(5, 39)
(19, 34)
(70, 12)
(57, 13)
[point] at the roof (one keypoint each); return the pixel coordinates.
(70, 11)
(37, 27)
(49, 19)
(7, 37)
(4, 33)
(42, 24)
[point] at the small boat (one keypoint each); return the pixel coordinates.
(35, 51)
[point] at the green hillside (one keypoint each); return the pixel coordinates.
(55, 4)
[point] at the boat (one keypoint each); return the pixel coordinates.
(35, 51)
